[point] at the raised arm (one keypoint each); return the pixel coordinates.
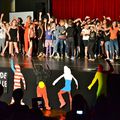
(1, 17)
(40, 16)
(57, 79)
(49, 17)
(12, 65)
(78, 19)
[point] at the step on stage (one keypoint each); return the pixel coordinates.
(48, 70)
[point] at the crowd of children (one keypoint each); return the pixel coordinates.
(89, 38)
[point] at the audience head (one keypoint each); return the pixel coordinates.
(18, 95)
(80, 109)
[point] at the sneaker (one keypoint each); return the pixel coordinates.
(111, 60)
(107, 58)
(2, 54)
(66, 55)
(93, 60)
(116, 57)
(72, 58)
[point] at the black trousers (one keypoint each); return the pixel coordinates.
(91, 47)
(70, 46)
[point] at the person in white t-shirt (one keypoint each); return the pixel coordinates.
(85, 33)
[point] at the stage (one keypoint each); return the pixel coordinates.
(50, 69)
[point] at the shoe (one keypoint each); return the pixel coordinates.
(72, 58)
(86, 57)
(66, 56)
(116, 57)
(93, 60)
(107, 58)
(2, 54)
(111, 60)
(28, 55)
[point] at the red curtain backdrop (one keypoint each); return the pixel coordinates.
(82, 8)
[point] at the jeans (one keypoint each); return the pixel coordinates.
(114, 49)
(61, 43)
(55, 45)
(107, 46)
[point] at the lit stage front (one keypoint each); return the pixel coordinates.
(48, 70)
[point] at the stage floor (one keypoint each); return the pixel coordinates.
(58, 64)
(82, 69)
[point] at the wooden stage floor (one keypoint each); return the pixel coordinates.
(58, 64)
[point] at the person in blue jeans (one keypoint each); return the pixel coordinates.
(61, 36)
(114, 49)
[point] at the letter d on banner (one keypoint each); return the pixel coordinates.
(3, 80)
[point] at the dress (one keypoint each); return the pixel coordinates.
(13, 34)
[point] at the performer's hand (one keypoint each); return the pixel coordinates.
(53, 84)
(89, 87)
(24, 87)
(40, 13)
(48, 14)
(77, 87)
(2, 14)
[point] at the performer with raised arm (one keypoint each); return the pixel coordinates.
(18, 76)
(101, 77)
(67, 88)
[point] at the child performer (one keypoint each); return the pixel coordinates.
(101, 76)
(67, 88)
(31, 38)
(18, 76)
(48, 40)
(42, 92)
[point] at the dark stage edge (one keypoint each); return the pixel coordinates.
(82, 69)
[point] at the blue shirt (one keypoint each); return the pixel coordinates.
(48, 35)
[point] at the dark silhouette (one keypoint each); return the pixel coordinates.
(80, 109)
(16, 110)
(3, 106)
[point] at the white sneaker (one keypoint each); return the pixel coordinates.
(107, 58)
(22, 103)
(116, 57)
(72, 58)
(111, 60)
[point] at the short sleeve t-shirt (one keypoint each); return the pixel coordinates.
(86, 34)
(113, 33)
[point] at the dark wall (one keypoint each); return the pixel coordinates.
(25, 5)
(5, 8)
(33, 5)
(28, 5)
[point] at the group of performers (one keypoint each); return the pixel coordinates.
(89, 38)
